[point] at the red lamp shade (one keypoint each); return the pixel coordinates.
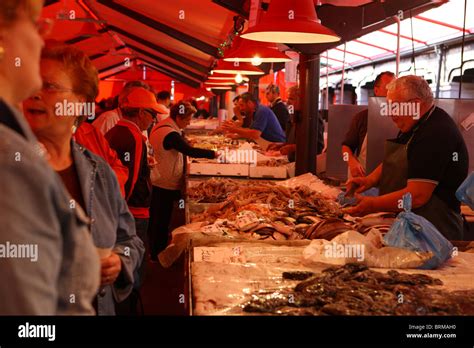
(217, 76)
(236, 68)
(251, 51)
(203, 92)
(291, 21)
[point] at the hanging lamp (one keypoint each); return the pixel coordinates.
(291, 21)
(217, 76)
(236, 68)
(254, 52)
(204, 92)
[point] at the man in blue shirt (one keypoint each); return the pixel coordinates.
(264, 122)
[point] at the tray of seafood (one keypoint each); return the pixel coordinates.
(211, 142)
(263, 279)
(277, 212)
(193, 208)
(269, 167)
(217, 190)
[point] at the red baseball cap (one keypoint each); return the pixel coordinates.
(141, 98)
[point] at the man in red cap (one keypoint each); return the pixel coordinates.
(126, 138)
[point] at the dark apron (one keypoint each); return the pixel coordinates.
(394, 178)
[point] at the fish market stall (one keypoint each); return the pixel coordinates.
(302, 207)
(262, 248)
(204, 192)
(239, 165)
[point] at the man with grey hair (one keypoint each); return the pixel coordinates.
(428, 159)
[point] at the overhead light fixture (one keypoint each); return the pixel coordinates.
(217, 76)
(256, 61)
(239, 78)
(237, 67)
(254, 52)
(291, 21)
(204, 92)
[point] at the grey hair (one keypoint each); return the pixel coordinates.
(411, 87)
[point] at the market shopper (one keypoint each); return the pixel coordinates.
(34, 203)
(107, 120)
(272, 93)
(170, 149)
(68, 75)
(354, 146)
(428, 159)
(264, 122)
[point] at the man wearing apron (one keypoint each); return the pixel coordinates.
(428, 158)
(355, 142)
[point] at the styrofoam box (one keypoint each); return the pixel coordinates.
(218, 169)
(268, 172)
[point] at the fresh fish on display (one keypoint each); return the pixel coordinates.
(353, 289)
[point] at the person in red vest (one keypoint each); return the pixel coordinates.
(92, 139)
(126, 138)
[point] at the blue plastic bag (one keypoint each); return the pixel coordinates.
(465, 192)
(414, 232)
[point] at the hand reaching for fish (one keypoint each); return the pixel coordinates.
(358, 185)
(364, 206)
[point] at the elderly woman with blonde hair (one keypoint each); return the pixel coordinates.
(70, 86)
(58, 271)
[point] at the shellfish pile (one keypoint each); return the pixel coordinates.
(353, 289)
(217, 190)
